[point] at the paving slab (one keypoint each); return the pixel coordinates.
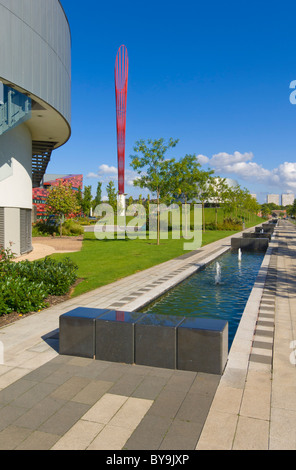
(258, 412)
(49, 401)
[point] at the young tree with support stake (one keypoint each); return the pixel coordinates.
(112, 195)
(98, 198)
(154, 169)
(186, 175)
(204, 191)
(219, 194)
(62, 202)
(87, 200)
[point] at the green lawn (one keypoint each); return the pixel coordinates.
(101, 262)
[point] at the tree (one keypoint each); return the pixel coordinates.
(204, 191)
(186, 175)
(154, 169)
(87, 200)
(250, 205)
(98, 198)
(62, 202)
(291, 210)
(130, 201)
(79, 197)
(219, 194)
(112, 195)
(265, 210)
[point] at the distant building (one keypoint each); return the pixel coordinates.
(287, 199)
(40, 194)
(254, 196)
(273, 198)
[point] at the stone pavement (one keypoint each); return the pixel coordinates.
(254, 407)
(46, 246)
(48, 401)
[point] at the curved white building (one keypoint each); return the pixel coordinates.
(35, 106)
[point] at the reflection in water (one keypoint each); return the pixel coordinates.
(200, 295)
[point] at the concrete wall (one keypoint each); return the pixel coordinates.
(16, 154)
(35, 51)
(12, 236)
(35, 59)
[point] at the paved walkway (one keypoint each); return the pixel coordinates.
(46, 246)
(48, 401)
(255, 404)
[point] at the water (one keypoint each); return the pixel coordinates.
(218, 274)
(201, 294)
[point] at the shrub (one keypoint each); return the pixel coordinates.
(70, 227)
(44, 229)
(232, 224)
(228, 224)
(21, 295)
(6, 255)
(25, 285)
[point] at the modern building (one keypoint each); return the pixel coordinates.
(287, 199)
(40, 195)
(35, 107)
(273, 198)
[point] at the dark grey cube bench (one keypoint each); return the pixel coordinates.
(202, 345)
(167, 341)
(156, 340)
(257, 235)
(77, 331)
(265, 229)
(115, 336)
(250, 244)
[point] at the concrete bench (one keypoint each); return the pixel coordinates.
(167, 341)
(257, 235)
(156, 340)
(250, 244)
(265, 229)
(115, 333)
(77, 331)
(202, 345)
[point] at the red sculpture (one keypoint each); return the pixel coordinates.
(121, 80)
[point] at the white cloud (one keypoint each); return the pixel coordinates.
(92, 175)
(106, 173)
(107, 170)
(223, 159)
(202, 159)
(285, 172)
(243, 166)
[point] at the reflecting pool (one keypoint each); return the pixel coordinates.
(220, 290)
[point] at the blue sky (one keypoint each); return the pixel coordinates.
(215, 75)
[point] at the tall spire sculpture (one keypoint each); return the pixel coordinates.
(121, 82)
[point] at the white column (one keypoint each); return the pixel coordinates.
(121, 205)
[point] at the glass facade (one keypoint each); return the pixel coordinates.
(15, 108)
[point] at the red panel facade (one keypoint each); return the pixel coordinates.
(40, 194)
